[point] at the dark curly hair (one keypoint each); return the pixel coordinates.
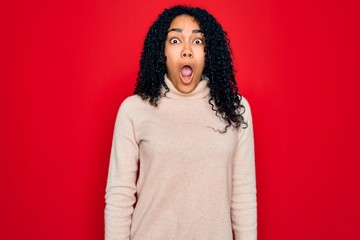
(224, 97)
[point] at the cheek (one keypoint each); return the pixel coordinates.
(200, 52)
(166, 51)
(168, 55)
(167, 58)
(201, 58)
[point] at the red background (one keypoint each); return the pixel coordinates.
(67, 65)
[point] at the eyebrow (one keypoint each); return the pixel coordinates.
(180, 30)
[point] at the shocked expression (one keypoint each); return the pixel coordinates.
(185, 55)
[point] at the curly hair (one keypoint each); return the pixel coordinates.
(224, 97)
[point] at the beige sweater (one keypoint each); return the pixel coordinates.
(194, 183)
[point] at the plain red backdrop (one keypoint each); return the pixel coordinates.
(67, 65)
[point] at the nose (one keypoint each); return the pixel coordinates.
(187, 52)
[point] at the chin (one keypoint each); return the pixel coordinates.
(186, 89)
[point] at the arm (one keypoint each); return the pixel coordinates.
(121, 182)
(243, 205)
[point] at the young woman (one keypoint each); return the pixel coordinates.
(182, 159)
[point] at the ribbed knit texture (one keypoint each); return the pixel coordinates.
(194, 183)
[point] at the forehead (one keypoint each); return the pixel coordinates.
(183, 22)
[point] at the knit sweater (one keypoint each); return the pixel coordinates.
(174, 176)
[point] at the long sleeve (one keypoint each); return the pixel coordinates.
(121, 183)
(244, 205)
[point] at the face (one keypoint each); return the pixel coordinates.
(184, 51)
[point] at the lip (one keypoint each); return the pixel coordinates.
(186, 80)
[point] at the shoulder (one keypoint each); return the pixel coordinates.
(245, 109)
(134, 107)
(132, 103)
(245, 131)
(244, 101)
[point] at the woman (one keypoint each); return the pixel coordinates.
(182, 160)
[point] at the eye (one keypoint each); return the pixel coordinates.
(198, 41)
(174, 40)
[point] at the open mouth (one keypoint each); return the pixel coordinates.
(186, 74)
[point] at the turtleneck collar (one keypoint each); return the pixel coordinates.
(200, 91)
